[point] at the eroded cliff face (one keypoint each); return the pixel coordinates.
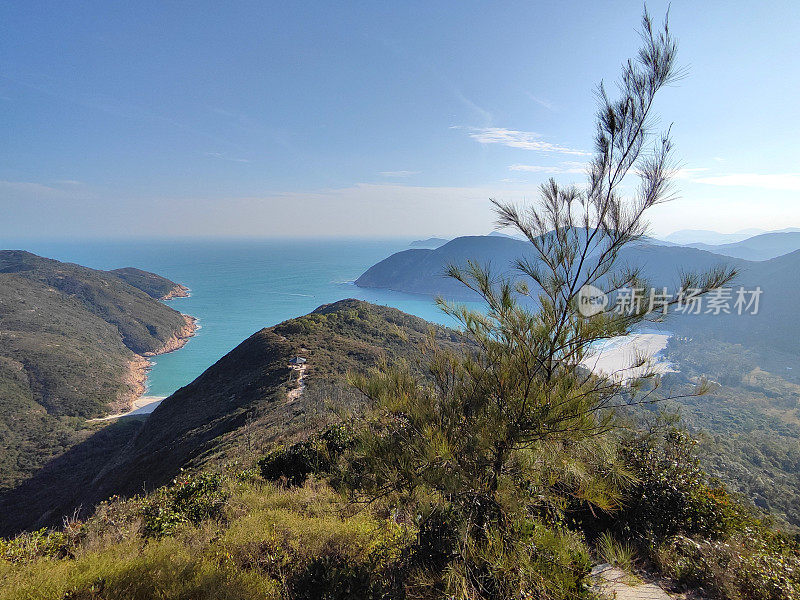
(179, 339)
(179, 291)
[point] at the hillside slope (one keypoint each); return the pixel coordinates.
(71, 346)
(232, 411)
(423, 271)
(774, 327)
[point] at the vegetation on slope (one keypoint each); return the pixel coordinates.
(238, 533)
(69, 337)
(486, 465)
(155, 286)
(748, 421)
(231, 412)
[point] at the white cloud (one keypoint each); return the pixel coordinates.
(29, 187)
(564, 167)
(221, 156)
(688, 173)
(765, 181)
(29, 191)
(527, 140)
(542, 102)
(399, 173)
(485, 115)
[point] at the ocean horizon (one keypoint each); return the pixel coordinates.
(241, 286)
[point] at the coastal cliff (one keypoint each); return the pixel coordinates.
(140, 366)
(179, 338)
(179, 291)
(74, 343)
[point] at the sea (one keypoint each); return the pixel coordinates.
(240, 286)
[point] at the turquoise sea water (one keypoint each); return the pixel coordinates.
(238, 287)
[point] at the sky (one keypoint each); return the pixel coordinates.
(372, 119)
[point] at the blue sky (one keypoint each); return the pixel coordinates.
(371, 118)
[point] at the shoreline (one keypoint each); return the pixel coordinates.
(139, 367)
(179, 291)
(178, 339)
(143, 405)
(614, 356)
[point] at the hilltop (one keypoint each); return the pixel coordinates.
(759, 247)
(233, 410)
(72, 347)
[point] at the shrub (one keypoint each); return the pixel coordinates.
(165, 568)
(335, 578)
(757, 566)
(37, 544)
(190, 499)
(437, 538)
(672, 494)
(618, 554)
(307, 539)
(535, 561)
(293, 464)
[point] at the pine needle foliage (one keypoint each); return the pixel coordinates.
(512, 426)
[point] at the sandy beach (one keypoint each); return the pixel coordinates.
(134, 402)
(615, 356)
(143, 405)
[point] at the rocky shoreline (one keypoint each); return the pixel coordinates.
(139, 366)
(179, 291)
(136, 381)
(178, 339)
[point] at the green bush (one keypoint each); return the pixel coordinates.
(437, 538)
(672, 494)
(190, 499)
(534, 561)
(37, 544)
(335, 578)
(293, 464)
(757, 566)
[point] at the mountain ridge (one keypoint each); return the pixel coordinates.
(72, 347)
(235, 408)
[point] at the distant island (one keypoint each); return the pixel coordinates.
(433, 242)
(73, 346)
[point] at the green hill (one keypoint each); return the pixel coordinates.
(774, 327)
(232, 411)
(71, 346)
(154, 285)
(422, 271)
(224, 528)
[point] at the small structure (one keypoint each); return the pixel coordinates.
(297, 361)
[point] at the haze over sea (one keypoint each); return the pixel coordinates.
(239, 287)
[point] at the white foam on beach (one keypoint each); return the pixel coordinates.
(614, 356)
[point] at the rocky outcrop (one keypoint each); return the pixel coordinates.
(179, 291)
(179, 338)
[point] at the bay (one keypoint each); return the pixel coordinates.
(240, 286)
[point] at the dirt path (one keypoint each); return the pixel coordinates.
(295, 393)
(615, 584)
